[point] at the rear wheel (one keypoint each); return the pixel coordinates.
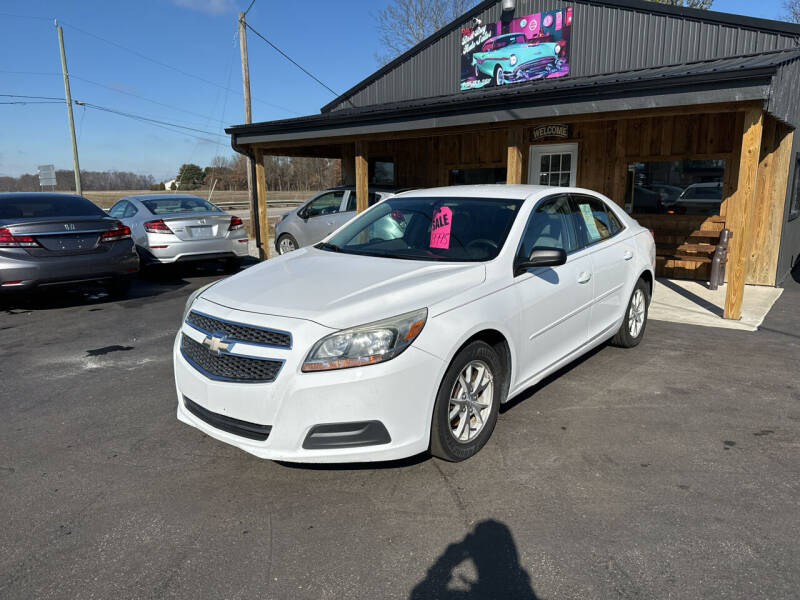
(287, 243)
(632, 329)
(467, 404)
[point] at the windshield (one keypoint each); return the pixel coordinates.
(167, 205)
(439, 229)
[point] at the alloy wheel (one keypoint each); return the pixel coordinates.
(287, 245)
(471, 401)
(636, 314)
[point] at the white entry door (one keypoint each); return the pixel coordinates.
(553, 164)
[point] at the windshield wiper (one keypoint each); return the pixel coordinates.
(327, 246)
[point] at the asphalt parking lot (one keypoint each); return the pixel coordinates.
(667, 471)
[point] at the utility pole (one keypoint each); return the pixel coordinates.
(248, 118)
(76, 165)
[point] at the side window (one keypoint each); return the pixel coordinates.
(118, 210)
(550, 226)
(327, 204)
(351, 200)
(592, 219)
(130, 210)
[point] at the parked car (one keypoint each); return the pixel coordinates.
(700, 199)
(366, 347)
(511, 57)
(172, 228)
(320, 216)
(51, 239)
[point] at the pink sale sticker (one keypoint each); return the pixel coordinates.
(440, 229)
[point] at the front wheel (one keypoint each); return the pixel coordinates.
(499, 76)
(287, 243)
(632, 329)
(467, 404)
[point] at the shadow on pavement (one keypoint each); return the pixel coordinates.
(494, 571)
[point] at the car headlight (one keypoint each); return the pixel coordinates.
(192, 297)
(557, 49)
(367, 344)
(513, 60)
(281, 219)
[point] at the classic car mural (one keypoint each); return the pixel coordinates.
(531, 47)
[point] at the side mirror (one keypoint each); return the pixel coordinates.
(541, 257)
(303, 214)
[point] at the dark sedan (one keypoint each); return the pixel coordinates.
(54, 239)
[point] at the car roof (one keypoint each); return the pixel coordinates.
(141, 197)
(35, 195)
(491, 190)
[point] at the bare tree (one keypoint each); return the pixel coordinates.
(405, 23)
(702, 4)
(792, 10)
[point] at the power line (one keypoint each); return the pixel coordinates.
(173, 68)
(143, 118)
(249, 7)
(291, 60)
(25, 102)
(132, 95)
(32, 97)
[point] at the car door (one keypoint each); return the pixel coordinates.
(320, 215)
(554, 302)
(611, 254)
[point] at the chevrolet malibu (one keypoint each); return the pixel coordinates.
(384, 342)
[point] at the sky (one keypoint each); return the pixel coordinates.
(177, 61)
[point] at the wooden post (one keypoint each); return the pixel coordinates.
(263, 219)
(348, 165)
(248, 113)
(362, 176)
(740, 212)
(516, 140)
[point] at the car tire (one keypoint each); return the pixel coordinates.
(287, 243)
(119, 287)
(499, 77)
(633, 325)
(449, 440)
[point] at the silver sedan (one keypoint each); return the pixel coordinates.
(171, 228)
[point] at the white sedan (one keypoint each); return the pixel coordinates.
(376, 346)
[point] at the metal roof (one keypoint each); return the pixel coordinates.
(656, 8)
(739, 78)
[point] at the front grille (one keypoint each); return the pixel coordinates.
(252, 431)
(239, 333)
(229, 367)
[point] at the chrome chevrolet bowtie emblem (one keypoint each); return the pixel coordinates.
(216, 343)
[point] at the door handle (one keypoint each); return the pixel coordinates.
(628, 255)
(584, 277)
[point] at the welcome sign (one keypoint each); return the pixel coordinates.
(532, 47)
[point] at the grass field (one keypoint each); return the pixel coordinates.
(106, 200)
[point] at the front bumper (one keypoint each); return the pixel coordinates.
(354, 406)
(17, 265)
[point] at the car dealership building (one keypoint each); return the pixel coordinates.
(684, 117)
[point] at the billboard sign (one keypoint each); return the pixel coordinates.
(525, 49)
(47, 175)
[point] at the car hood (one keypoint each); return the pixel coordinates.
(343, 290)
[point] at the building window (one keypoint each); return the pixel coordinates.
(477, 176)
(555, 169)
(794, 206)
(381, 171)
(685, 187)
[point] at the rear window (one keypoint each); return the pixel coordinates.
(168, 205)
(53, 206)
